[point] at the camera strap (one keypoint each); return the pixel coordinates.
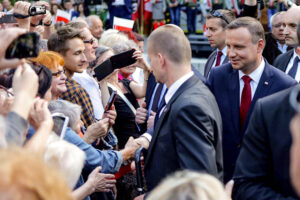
(19, 16)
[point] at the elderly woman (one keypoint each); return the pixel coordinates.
(54, 62)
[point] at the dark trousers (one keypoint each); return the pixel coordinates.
(175, 15)
(191, 13)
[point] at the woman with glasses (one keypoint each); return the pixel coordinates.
(54, 62)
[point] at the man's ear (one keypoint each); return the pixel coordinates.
(260, 45)
(161, 59)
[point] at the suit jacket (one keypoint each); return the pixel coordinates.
(262, 170)
(187, 135)
(282, 61)
(210, 62)
(271, 50)
(224, 84)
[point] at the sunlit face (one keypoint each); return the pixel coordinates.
(58, 82)
(291, 19)
(242, 53)
(278, 27)
(97, 28)
(155, 65)
(90, 45)
(75, 58)
(215, 33)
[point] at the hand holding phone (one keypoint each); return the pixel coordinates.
(111, 101)
(60, 124)
(115, 62)
(25, 46)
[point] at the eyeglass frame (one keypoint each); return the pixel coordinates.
(91, 41)
(217, 14)
(59, 73)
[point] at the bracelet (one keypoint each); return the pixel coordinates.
(33, 25)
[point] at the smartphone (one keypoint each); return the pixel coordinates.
(111, 100)
(25, 46)
(115, 62)
(60, 124)
(37, 10)
(8, 18)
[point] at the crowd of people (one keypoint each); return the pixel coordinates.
(231, 133)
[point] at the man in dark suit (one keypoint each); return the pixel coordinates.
(240, 83)
(275, 40)
(119, 8)
(262, 170)
(187, 133)
(289, 61)
(216, 22)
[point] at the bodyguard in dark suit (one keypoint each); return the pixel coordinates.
(262, 170)
(239, 84)
(216, 22)
(187, 133)
(289, 62)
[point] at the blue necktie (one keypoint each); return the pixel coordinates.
(160, 107)
(294, 68)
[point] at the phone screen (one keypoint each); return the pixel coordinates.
(60, 124)
(25, 46)
(111, 101)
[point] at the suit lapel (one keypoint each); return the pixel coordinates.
(234, 96)
(287, 60)
(191, 81)
(210, 62)
(226, 60)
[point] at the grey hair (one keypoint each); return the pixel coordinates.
(99, 52)
(67, 108)
(90, 18)
(121, 47)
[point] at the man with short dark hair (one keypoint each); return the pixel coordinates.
(216, 23)
(263, 167)
(240, 83)
(69, 43)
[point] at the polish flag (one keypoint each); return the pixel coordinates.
(62, 16)
(123, 24)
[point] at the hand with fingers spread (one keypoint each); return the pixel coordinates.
(7, 36)
(141, 114)
(101, 182)
(140, 61)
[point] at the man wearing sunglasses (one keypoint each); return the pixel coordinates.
(239, 84)
(216, 23)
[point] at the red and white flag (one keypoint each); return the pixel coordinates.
(123, 24)
(62, 16)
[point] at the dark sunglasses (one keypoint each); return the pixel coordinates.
(217, 14)
(91, 41)
(59, 73)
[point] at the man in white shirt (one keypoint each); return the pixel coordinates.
(188, 123)
(240, 83)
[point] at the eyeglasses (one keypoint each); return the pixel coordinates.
(278, 25)
(5, 91)
(59, 73)
(215, 13)
(91, 41)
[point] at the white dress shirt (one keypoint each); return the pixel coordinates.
(282, 48)
(255, 76)
(92, 88)
(224, 54)
(290, 65)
